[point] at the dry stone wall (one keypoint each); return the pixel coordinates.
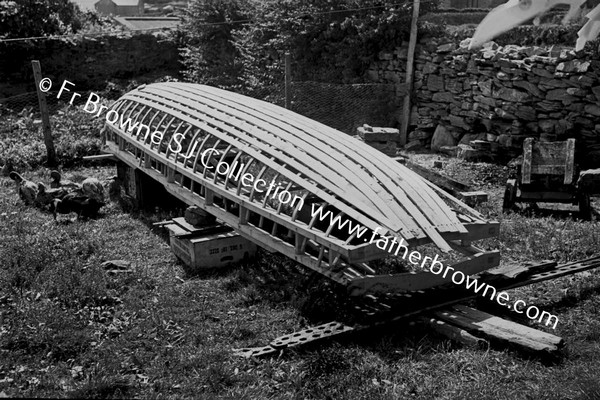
(485, 103)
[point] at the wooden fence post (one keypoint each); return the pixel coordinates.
(409, 73)
(51, 152)
(288, 80)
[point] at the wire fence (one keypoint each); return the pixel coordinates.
(341, 106)
(345, 106)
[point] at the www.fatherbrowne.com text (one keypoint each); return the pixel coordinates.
(435, 267)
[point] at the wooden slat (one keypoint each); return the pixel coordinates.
(569, 161)
(490, 326)
(440, 180)
(556, 169)
(526, 167)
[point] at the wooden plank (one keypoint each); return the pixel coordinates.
(474, 197)
(549, 169)
(100, 157)
(545, 153)
(429, 198)
(452, 332)
(459, 204)
(558, 197)
(288, 80)
(423, 280)
(452, 185)
(486, 325)
(48, 140)
(440, 180)
(526, 167)
(409, 73)
(569, 161)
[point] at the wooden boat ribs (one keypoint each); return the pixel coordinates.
(318, 166)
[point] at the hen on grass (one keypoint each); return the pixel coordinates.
(27, 190)
(45, 196)
(92, 188)
(58, 182)
(83, 206)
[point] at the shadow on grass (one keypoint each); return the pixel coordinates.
(545, 211)
(105, 387)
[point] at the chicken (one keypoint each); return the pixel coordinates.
(45, 197)
(515, 12)
(92, 188)
(82, 205)
(27, 190)
(57, 182)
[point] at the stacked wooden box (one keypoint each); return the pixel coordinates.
(383, 139)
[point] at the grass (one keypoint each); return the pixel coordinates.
(69, 329)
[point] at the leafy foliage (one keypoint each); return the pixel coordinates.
(25, 18)
(21, 140)
(209, 56)
(332, 41)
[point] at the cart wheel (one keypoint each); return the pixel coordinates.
(510, 195)
(585, 209)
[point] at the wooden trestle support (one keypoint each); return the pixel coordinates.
(326, 168)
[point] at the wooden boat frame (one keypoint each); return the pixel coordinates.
(323, 166)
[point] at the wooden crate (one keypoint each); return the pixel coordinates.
(210, 247)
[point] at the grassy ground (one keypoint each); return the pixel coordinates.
(70, 329)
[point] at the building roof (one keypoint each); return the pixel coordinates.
(126, 2)
(143, 23)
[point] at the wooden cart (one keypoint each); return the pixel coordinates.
(548, 173)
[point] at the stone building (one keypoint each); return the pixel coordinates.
(120, 7)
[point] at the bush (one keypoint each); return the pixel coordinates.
(25, 18)
(328, 41)
(209, 55)
(75, 135)
(332, 41)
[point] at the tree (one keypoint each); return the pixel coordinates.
(330, 40)
(210, 56)
(27, 18)
(333, 41)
